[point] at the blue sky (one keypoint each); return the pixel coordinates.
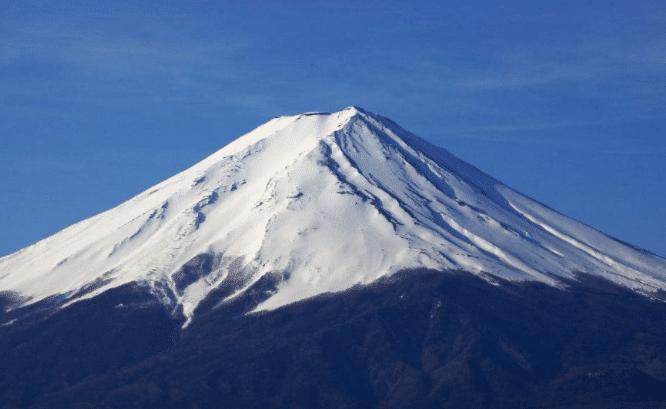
(564, 101)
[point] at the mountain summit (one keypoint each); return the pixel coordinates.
(320, 202)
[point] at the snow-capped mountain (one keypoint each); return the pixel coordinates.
(324, 201)
(476, 295)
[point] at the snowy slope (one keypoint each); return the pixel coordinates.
(327, 201)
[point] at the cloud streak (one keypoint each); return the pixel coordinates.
(114, 70)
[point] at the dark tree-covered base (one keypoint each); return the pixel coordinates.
(417, 340)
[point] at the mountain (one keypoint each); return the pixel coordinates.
(393, 273)
(325, 201)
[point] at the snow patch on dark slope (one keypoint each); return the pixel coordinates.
(324, 201)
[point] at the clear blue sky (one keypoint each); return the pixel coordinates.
(563, 100)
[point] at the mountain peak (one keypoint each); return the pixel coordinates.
(321, 202)
(355, 109)
(346, 112)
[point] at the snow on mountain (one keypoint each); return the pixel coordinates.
(326, 201)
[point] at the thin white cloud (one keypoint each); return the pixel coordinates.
(110, 70)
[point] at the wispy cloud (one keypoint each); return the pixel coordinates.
(116, 69)
(590, 61)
